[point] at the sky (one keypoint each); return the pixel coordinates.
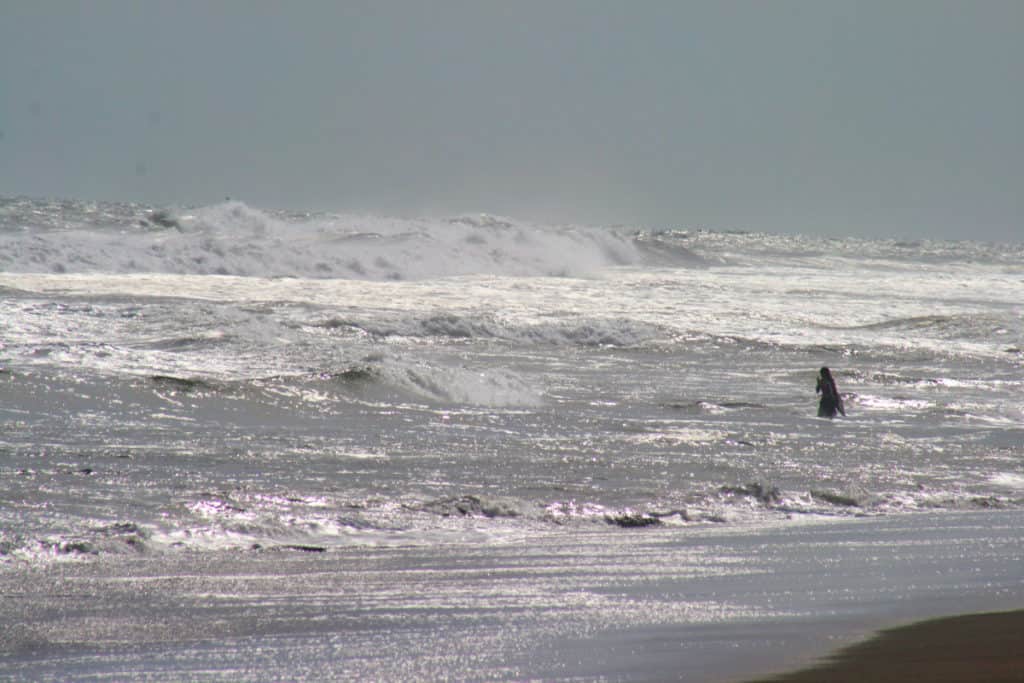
(900, 118)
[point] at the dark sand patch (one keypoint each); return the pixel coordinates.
(963, 649)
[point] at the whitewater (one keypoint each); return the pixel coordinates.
(251, 444)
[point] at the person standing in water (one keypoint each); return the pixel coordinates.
(831, 401)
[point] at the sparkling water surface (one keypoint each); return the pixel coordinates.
(229, 380)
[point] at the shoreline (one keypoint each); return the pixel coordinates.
(966, 648)
(707, 604)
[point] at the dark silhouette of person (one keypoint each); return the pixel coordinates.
(831, 401)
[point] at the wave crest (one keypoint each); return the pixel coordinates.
(590, 332)
(232, 238)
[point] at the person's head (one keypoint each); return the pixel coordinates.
(825, 374)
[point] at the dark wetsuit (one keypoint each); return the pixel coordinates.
(831, 401)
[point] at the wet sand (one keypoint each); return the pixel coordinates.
(961, 649)
(702, 604)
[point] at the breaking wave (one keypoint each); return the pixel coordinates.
(243, 520)
(375, 377)
(232, 238)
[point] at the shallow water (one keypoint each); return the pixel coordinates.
(715, 603)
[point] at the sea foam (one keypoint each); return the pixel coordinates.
(232, 238)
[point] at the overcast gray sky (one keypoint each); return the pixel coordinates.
(893, 118)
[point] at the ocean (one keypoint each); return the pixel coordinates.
(247, 444)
